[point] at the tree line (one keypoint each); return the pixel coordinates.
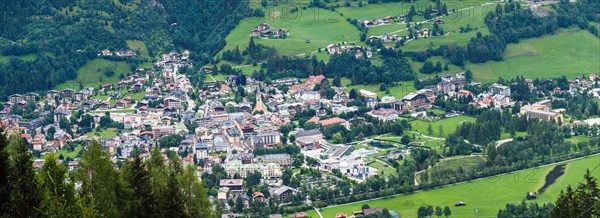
(152, 188)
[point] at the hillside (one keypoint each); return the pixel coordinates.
(46, 42)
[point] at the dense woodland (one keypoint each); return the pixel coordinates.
(154, 188)
(64, 35)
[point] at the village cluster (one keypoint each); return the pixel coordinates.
(215, 130)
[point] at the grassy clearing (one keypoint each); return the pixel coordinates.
(92, 74)
(399, 91)
(105, 133)
(28, 57)
(449, 125)
(67, 153)
(483, 197)
(322, 27)
(571, 52)
(139, 46)
(382, 170)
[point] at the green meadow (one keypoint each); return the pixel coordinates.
(570, 52)
(322, 27)
(92, 74)
(483, 197)
(449, 125)
(399, 91)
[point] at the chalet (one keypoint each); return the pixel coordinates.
(255, 33)
(103, 106)
(368, 23)
(263, 26)
(51, 95)
(439, 21)
(333, 49)
(15, 98)
(31, 96)
(283, 193)
(67, 93)
(107, 86)
(121, 105)
(232, 184)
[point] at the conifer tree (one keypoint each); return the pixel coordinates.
(99, 180)
(58, 195)
(25, 194)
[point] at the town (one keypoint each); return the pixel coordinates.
(278, 142)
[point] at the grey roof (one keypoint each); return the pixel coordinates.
(306, 133)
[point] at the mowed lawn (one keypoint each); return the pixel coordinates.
(92, 74)
(571, 52)
(449, 125)
(322, 27)
(399, 91)
(483, 197)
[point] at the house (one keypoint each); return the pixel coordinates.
(51, 95)
(333, 49)
(15, 98)
(439, 21)
(263, 26)
(368, 23)
(283, 193)
(400, 106)
(232, 184)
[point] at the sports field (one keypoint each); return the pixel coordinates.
(483, 197)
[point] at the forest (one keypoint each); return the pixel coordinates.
(62, 36)
(157, 187)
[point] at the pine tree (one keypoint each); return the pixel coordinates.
(4, 191)
(99, 180)
(58, 195)
(195, 195)
(25, 195)
(138, 178)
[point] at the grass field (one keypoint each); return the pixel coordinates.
(449, 125)
(321, 26)
(66, 153)
(139, 46)
(397, 91)
(92, 74)
(571, 52)
(383, 171)
(483, 197)
(5, 59)
(105, 133)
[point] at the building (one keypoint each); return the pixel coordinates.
(497, 89)
(266, 139)
(416, 101)
(541, 110)
(283, 193)
(232, 184)
(281, 159)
